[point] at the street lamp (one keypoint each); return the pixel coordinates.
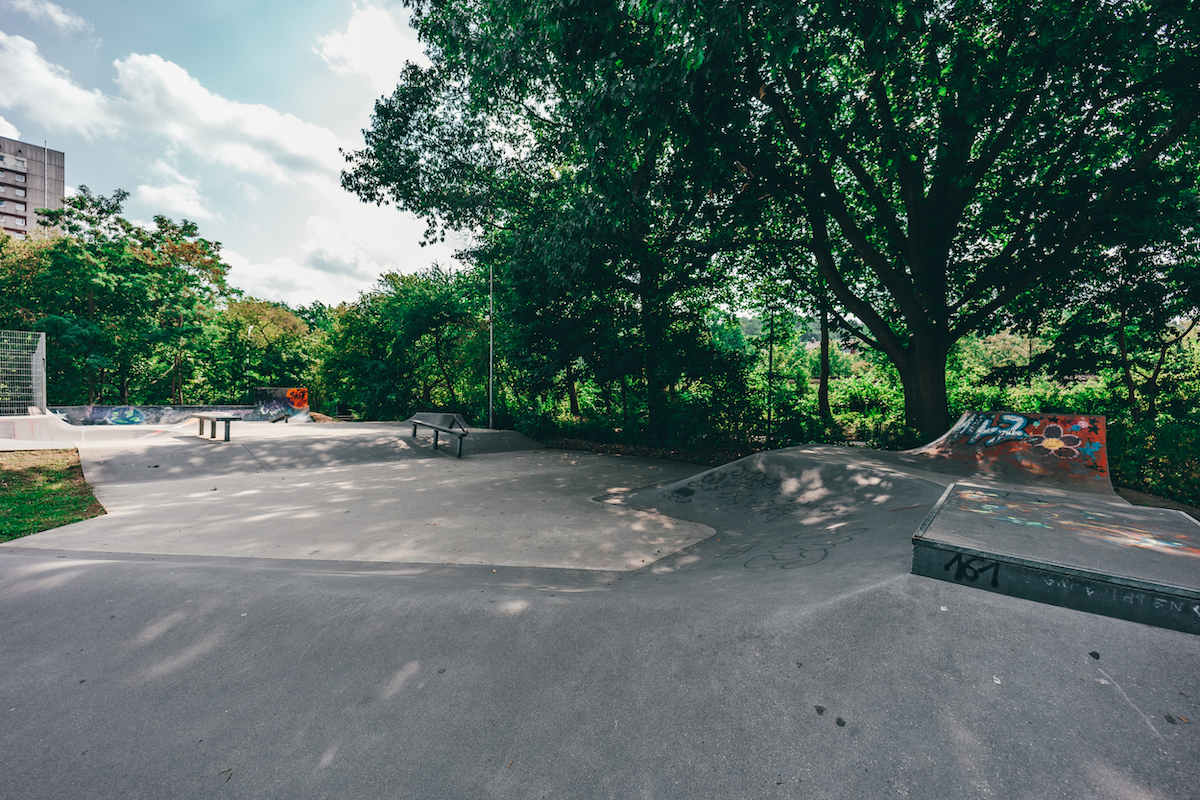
(491, 342)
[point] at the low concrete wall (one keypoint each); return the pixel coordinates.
(49, 428)
(27, 428)
(173, 415)
(141, 415)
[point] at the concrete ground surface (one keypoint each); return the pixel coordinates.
(783, 650)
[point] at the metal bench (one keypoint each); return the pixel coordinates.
(440, 423)
(213, 419)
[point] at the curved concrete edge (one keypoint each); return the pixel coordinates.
(50, 428)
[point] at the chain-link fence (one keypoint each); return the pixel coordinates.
(22, 372)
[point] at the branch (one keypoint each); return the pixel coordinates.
(912, 185)
(888, 342)
(884, 209)
(1091, 219)
(895, 280)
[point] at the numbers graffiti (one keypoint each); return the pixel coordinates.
(967, 568)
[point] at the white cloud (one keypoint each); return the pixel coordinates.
(373, 46)
(8, 130)
(160, 96)
(308, 238)
(177, 194)
(331, 249)
(284, 280)
(48, 93)
(44, 11)
(249, 191)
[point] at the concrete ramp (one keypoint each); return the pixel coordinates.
(1037, 518)
(796, 508)
(1067, 451)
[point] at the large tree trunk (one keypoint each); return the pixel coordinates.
(823, 380)
(656, 387)
(923, 373)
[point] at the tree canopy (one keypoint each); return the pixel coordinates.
(931, 162)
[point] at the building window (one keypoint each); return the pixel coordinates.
(20, 206)
(20, 192)
(20, 163)
(20, 178)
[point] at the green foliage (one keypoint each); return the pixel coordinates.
(123, 305)
(42, 489)
(1160, 456)
(995, 201)
(250, 343)
(416, 343)
(144, 315)
(930, 164)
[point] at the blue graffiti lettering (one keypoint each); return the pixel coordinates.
(1010, 427)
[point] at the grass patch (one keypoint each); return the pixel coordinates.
(42, 489)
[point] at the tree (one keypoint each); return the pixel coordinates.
(1141, 309)
(943, 158)
(415, 343)
(937, 160)
(122, 304)
(251, 343)
(594, 202)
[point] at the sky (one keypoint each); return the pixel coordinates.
(226, 113)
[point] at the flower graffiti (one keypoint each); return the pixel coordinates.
(1054, 440)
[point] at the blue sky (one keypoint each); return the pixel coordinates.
(226, 113)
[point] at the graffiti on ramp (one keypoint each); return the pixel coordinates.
(1067, 449)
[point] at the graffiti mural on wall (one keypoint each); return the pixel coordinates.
(139, 415)
(1066, 447)
(269, 403)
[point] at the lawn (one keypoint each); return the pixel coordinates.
(42, 489)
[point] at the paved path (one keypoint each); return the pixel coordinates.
(788, 654)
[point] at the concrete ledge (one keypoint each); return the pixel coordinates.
(1149, 603)
(1141, 565)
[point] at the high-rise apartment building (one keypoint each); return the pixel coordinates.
(30, 177)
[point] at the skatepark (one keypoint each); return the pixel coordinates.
(341, 610)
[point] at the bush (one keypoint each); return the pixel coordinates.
(1160, 456)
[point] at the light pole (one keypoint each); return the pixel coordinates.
(491, 341)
